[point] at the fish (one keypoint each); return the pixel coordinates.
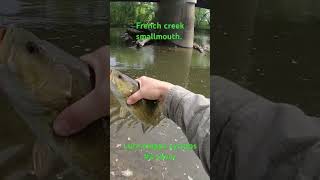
(40, 80)
(148, 112)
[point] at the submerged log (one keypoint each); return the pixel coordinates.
(133, 32)
(126, 37)
(206, 48)
(198, 47)
(141, 43)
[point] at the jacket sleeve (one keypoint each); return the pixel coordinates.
(254, 138)
(192, 113)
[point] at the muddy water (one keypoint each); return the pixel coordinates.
(184, 67)
(78, 27)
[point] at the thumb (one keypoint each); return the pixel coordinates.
(135, 97)
(80, 114)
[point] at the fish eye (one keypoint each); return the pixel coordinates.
(32, 47)
(119, 76)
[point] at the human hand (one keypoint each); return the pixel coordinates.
(91, 107)
(151, 89)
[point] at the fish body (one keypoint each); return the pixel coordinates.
(148, 112)
(40, 80)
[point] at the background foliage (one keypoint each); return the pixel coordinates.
(124, 14)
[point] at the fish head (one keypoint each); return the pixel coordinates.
(39, 66)
(121, 85)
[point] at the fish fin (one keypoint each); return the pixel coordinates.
(29, 110)
(42, 159)
(131, 122)
(114, 120)
(135, 123)
(151, 127)
(123, 112)
(145, 127)
(120, 125)
(45, 161)
(114, 115)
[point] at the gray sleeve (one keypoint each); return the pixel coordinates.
(254, 138)
(192, 113)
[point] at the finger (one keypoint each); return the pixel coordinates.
(80, 114)
(98, 61)
(135, 97)
(139, 79)
(139, 82)
(91, 107)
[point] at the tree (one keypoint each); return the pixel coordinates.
(202, 18)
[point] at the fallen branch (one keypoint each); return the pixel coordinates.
(141, 43)
(198, 47)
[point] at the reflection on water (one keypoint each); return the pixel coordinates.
(185, 67)
(76, 26)
(51, 12)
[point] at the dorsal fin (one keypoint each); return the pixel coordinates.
(123, 112)
(145, 127)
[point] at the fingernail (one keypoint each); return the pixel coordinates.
(129, 101)
(61, 127)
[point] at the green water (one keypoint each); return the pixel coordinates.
(181, 66)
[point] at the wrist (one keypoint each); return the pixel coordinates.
(164, 89)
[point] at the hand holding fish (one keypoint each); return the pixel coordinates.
(151, 89)
(93, 106)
